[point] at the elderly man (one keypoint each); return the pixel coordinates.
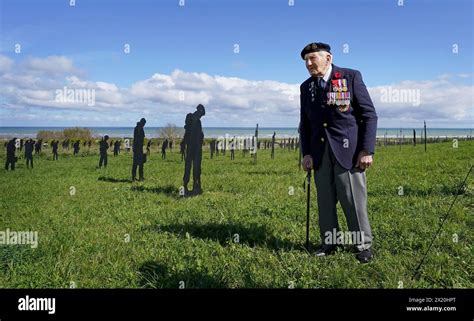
(338, 127)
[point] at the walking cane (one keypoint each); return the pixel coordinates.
(308, 182)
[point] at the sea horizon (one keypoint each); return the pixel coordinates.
(216, 132)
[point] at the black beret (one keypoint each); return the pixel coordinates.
(314, 47)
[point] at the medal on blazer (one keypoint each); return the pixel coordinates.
(338, 95)
(311, 90)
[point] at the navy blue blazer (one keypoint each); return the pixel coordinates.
(347, 131)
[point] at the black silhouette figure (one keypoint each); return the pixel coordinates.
(117, 147)
(163, 149)
(232, 149)
(138, 159)
(273, 145)
(38, 147)
(212, 147)
(255, 145)
(148, 147)
(29, 146)
(76, 146)
(11, 159)
(193, 138)
(103, 147)
(54, 146)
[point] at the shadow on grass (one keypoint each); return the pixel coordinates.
(227, 233)
(14, 255)
(155, 275)
(114, 180)
(168, 190)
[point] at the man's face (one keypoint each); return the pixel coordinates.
(317, 64)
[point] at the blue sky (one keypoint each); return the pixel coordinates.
(392, 45)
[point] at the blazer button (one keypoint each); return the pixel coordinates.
(325, 125)
(322, 139)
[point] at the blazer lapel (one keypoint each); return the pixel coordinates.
(334, 70)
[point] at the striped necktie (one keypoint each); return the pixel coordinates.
(321, 83)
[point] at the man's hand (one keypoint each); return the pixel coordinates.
(307, 162)
(364, 160)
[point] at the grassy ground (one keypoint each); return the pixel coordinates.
(246, 230)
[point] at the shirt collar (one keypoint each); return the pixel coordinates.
(328, 73)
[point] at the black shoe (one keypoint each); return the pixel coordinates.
(186, 191)
(365, 256)
(325, 250)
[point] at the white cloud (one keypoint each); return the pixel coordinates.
(5, 64)
(51, 65)
(229, 101)
(228, 93)
(442, 100)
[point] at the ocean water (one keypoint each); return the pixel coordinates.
(215, 132)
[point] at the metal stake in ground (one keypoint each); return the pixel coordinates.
(459, 190)
(425, 133)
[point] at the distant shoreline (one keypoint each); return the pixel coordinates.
(215, 132)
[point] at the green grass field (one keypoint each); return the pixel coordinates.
(115, 234)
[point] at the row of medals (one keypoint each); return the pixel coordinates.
(338, 96)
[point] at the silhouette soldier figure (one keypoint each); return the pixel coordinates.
(11, 159)
(103, 147)
(148, 147)
(273, 145)
(76, 147)
(163, 149)
(29, 146)
(117, 147)
(232, 149)
(193, 138)
(212, 147)
(138, 159)
(54, 145)
(38, 147)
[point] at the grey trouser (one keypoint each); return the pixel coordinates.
(349, 187)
